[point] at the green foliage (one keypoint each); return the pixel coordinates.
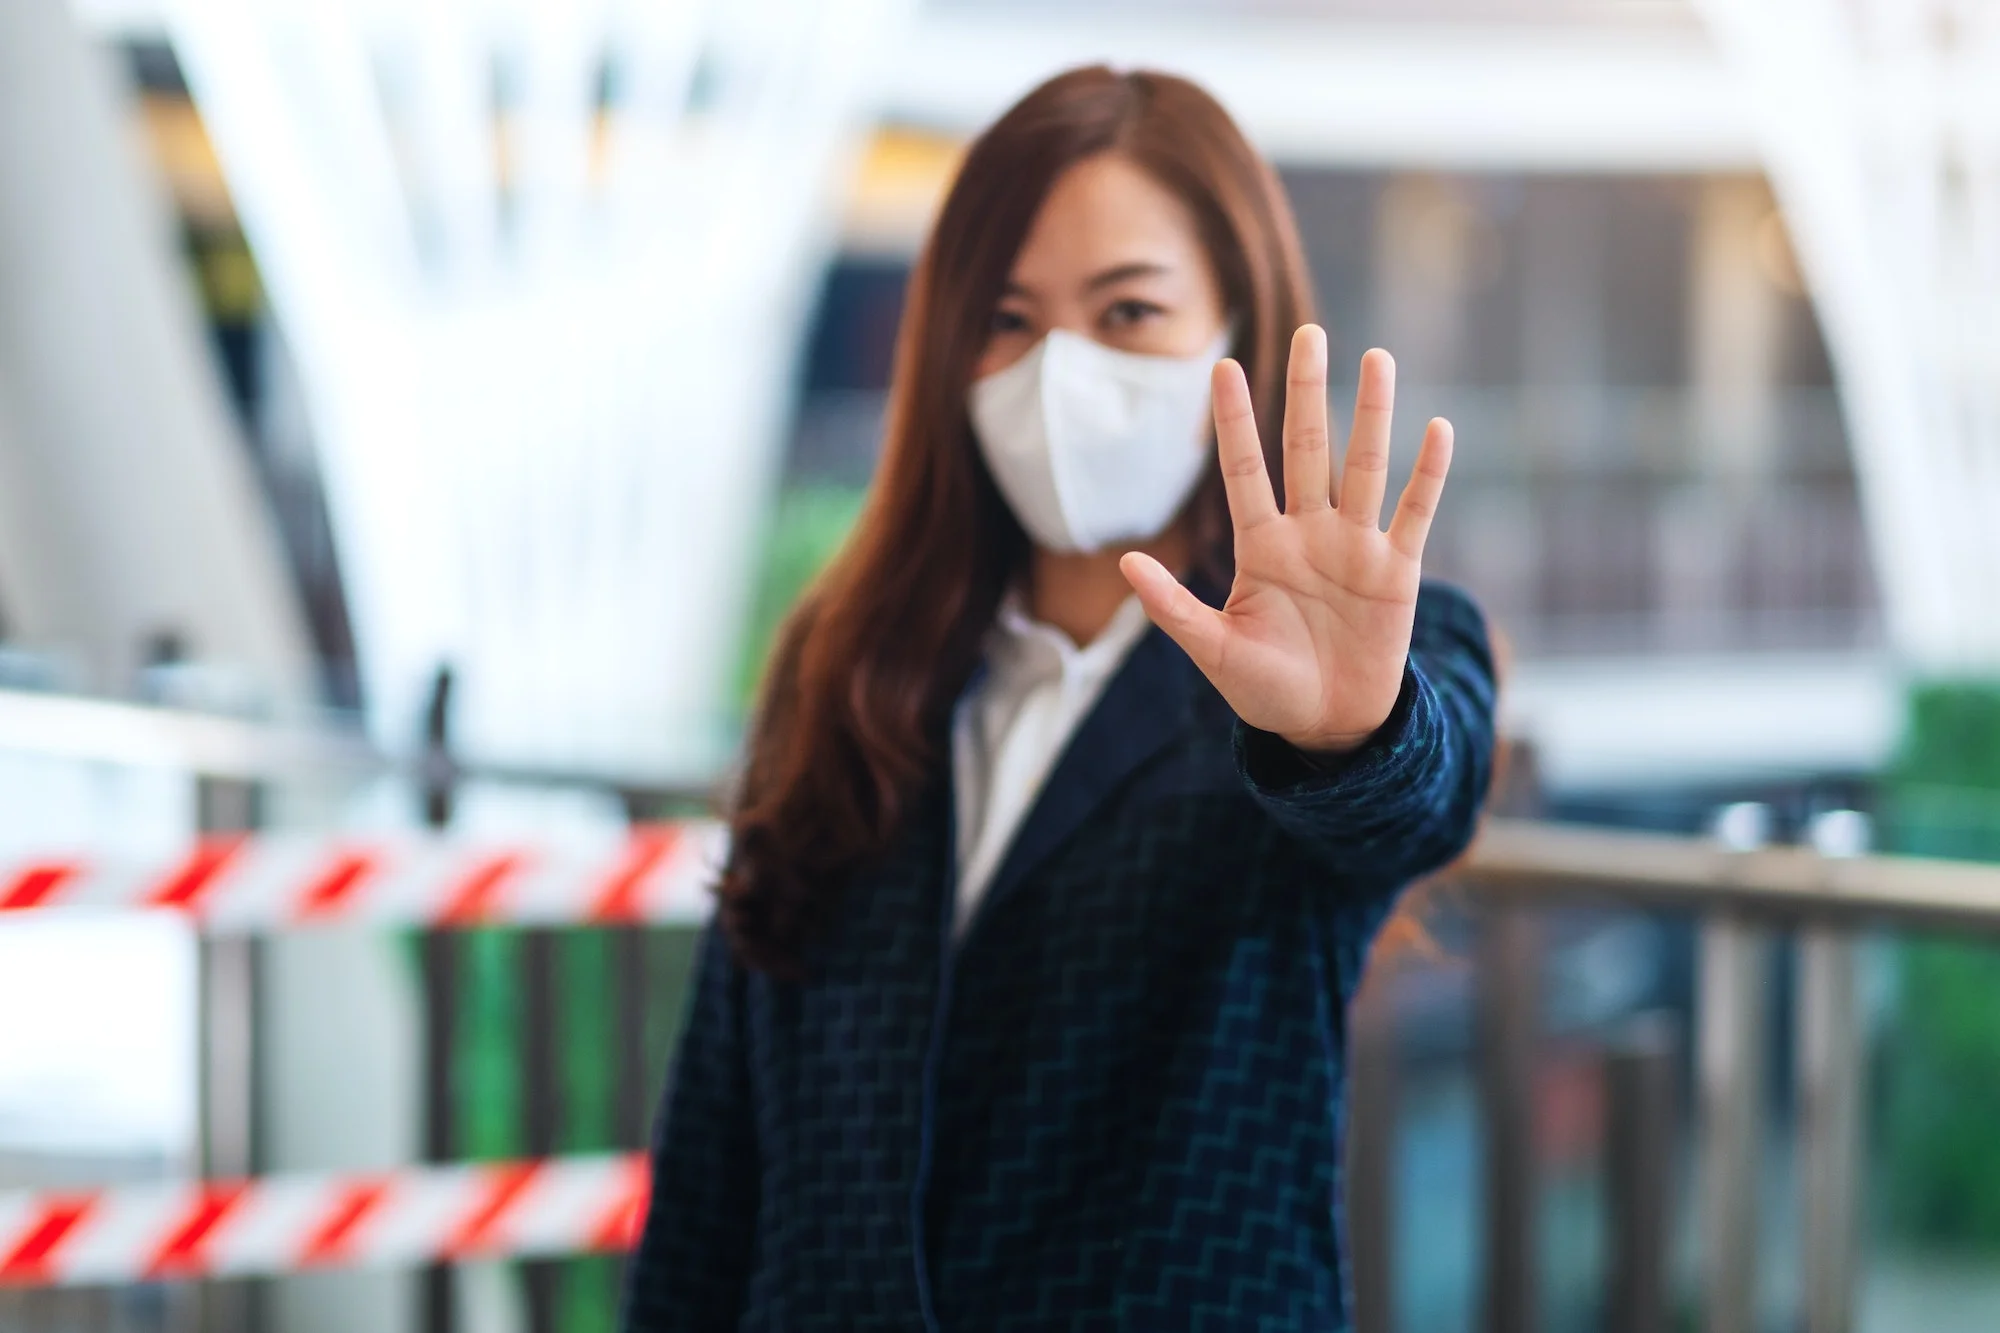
(808, 524)
(587, 1294)
(486, 1081)
(586, 1042)
(486, 1059)
(1940, 1091)
(1954, 736)
(1942, 1099)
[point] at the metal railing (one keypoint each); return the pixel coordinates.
(233, 764)
(1741, 894)
(1739, 891)
(1532, 861)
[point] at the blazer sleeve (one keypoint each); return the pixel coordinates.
(1408, 800)
(692, 1267)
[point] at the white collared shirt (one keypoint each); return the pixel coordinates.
(1009, 730)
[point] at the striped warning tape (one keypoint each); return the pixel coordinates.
(659, 873)
(287, 1223)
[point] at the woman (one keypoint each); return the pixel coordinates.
(1025, 1006)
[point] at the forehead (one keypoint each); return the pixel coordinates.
(1101, 212)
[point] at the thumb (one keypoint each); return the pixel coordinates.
(1198, 628)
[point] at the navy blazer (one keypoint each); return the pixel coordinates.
(1117, 1103)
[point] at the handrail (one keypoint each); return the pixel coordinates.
(115, 731)
(215, 745)
(1531, 859)
(1518, 863)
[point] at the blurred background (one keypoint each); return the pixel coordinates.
(418, 413)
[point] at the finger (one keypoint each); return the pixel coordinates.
(1365, 475)
(1243, 476)
(1198, 628)
(1307, 472)
(1412, 523)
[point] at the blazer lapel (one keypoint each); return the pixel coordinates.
(1144, 706)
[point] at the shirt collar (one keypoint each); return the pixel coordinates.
(1024, 643)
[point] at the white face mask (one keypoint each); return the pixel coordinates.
(1093, 446)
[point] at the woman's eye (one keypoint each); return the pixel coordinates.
(1124, 314)
(1008, 321)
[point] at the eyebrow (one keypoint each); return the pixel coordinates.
(1122, 272)
(1109, 277)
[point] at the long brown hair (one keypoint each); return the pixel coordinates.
(853, 715)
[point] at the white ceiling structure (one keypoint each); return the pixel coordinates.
(546, 441)
(547, 354)
(1879, 122)
(128, 510)
(1315, 88)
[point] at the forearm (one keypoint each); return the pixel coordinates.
(1406, 800)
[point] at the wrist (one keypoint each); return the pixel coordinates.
(1335, 746)
(1324, 747)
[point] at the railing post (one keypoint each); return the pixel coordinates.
(1371, 1158)
(1734, 965)
(1830, 1076)
(1508, 1022)
(1508, 1028)
(1640, 1074)
(634, 1087)
(1829, 1147)
(228, 1008)
(1733, 968)
(438, 782)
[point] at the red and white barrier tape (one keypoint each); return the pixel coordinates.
(283, 1224)
(661, 873)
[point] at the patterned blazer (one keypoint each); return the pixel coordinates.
(1117, 1103)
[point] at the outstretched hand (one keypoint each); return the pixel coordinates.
(1312, 641)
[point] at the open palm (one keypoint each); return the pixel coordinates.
(1313, 638)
